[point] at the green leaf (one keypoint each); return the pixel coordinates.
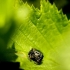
(47, 30)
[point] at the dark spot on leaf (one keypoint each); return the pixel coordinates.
(35, 55)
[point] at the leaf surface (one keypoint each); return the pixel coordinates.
(46, 29)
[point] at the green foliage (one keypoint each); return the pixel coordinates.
(46, 29)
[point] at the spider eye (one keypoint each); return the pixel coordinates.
(36, 52)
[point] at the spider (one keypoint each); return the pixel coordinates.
(35, 55)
